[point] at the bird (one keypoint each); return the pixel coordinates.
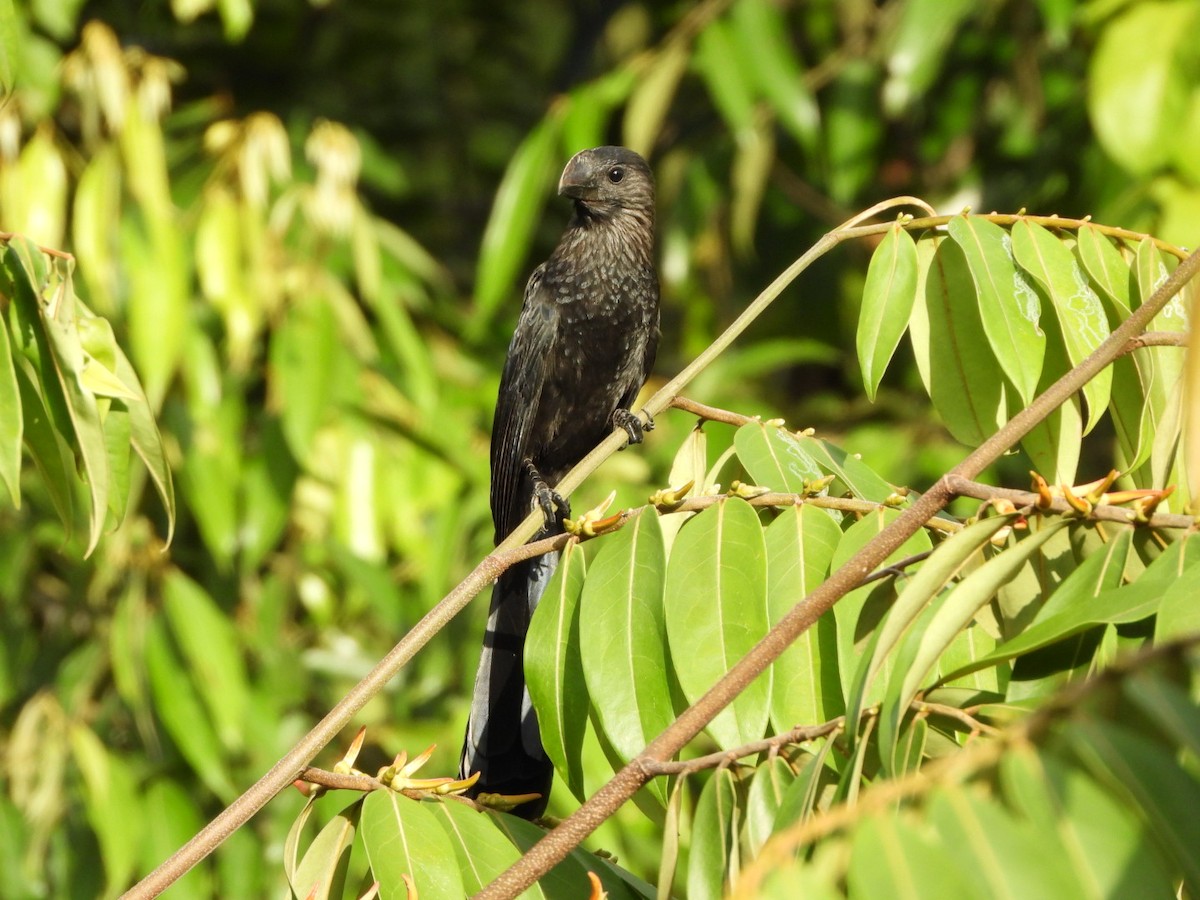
(584, 344)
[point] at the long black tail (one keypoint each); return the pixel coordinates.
(502, 742)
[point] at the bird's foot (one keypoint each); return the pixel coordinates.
(633, 425)
(554, 506)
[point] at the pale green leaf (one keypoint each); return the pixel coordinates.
(402, 837)
(886, 304)
(1008, 305)
(716, 611)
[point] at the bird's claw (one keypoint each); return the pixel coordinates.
(633, 425)
(554, 506)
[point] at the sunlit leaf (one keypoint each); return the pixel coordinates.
(1008, 305)
(887, 304)
(1083, 323)
(554, 668)
(949, 614)
(716, 610)
(402, 837)
(625, 653)
(805, 688)
(321, 874)
(966, 382)
(518, 202)
(714, 838)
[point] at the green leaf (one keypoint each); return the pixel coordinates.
(775, 458)
(146, 439)
(1164, 793)
(113, 808)
(945, 618)
(1103, 842)
(728, 86)
(1053, 444)
(886, 304)
(567, 880)
(61, 360)
(1178, 611)
(858, 613)
(159, 288)
(892, 857)
(554, 668)
(986, 839)
(304, 349)
(652, 94)
(1168, 705)
(210, 645)
(1008, 306)
(804, 679)
(402, 837)
(1138, 88)
(762, 32)
(179, 709)
(1088, 599)
(800, 798)
(625, 655)
(10, 47)
(945, 564)
(1084, 324)
(966, 382)
(853, 475)
(1108, 269)
(853, 130)
(515, 211)
(716, 611)
(714, 838)
(767, 788)
(321, 874)
(11, 425)
(918, 49)
(291, 844)
(482, 850)
(48, 447)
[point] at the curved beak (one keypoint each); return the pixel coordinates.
(576, 181)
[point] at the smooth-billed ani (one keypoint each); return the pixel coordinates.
(582, 349)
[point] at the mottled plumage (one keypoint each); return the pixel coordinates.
(582, 349)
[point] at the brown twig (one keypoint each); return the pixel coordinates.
(954, 712)
(798, 735)
(710, 413)
(7, 236)
(1028, 500)
(600, 806)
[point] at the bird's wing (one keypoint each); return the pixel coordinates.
(517, 405)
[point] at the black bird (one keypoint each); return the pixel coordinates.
(583, 347)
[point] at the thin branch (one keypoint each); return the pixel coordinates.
(798, 735)
(896, 569)
(1028, 500)
(600, 806)
(954, 712)
(7, 236)
(342, 781)
(711, 413)
(1156, 339)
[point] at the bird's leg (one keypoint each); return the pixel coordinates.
(554, 506)
(633, 425)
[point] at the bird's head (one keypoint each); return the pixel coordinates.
(605, 180)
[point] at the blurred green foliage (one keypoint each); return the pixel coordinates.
(308, 226)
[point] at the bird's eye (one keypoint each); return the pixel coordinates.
(615, 174)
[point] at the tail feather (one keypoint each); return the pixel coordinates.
(503, 742)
